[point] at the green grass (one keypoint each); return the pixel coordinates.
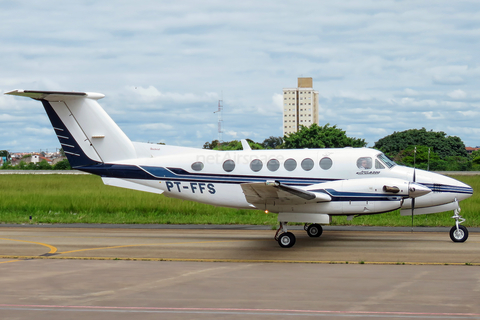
(84, 199)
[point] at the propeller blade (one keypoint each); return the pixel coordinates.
(414, 180)
(413, 209)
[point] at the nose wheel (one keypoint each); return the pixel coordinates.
(458, 233)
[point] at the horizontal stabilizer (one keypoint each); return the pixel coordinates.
(121, 183)
(55, 95)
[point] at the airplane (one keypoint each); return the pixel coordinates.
(300, 185)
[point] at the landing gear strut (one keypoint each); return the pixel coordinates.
(285, 239)
(458, 233)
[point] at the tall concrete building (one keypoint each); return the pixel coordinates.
(300, 106)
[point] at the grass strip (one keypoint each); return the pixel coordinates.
(85, 199)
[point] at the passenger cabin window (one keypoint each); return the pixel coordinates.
(256, 165)
(229, 165)
(273, 164)
(197, 166)
(307, 164)
(326, 163)
(290, 164)
(364, 163)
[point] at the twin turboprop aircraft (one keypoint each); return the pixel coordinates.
(306, 185)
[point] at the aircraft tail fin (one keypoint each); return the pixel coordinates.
(86, 132)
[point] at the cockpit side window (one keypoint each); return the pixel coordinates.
(364, 163)
(386, 160)
(379, 165)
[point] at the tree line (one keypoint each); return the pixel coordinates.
(42, 165)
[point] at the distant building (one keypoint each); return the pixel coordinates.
(470, 149)
(300, 106)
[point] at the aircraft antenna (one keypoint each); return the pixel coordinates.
(219, 112)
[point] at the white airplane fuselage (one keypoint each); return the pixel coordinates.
(212, 185)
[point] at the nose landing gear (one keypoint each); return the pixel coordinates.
(458, 233)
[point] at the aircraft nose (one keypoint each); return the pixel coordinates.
(417, 190)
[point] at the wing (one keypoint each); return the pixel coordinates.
(273, 192)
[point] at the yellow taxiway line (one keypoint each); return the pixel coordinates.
(19, 258)
(52, 248)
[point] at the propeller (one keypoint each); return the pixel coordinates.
(414, 180)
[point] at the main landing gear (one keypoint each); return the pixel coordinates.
(314, 230)
(287, 239)
(458, 233)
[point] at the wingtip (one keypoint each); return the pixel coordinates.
(14, 92)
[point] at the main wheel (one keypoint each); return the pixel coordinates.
(286, 240)
(314, 230)
(458, 235)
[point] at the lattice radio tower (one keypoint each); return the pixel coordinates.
(219, 112)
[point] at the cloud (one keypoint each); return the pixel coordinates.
(457, 94)
(156, 126)
(449, 75)
(40, 131)
(151, 93)
(431, 115)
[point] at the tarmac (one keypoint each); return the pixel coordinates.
(235, 272)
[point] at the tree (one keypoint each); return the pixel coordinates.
(44, 165)
(22, 165)
(443, 145)
(475, 156)
(424, 158)
(231, 145)
(62, 165)
(211, 145)
(273, 143)
(316, 136)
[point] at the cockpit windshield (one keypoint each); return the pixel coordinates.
(388, 162)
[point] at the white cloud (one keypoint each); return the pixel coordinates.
(457, 94)
(232, 134)
(277, 100)
(151, 93)
(410, 92)
(354, 96)
(156, 126)
(40, 131)
(470, 114)
(431, 115)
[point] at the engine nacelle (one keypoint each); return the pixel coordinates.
(366, 196)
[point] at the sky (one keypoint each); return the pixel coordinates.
(379, 66)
